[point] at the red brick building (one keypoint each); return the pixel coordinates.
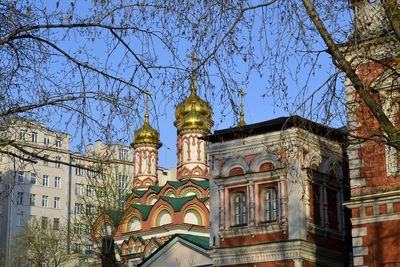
(374, 167)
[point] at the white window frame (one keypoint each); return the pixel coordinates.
(79, 170)
(56, 202)
(269, 204)
(34, 137)
(57, 182)
(58, 163)
(32, 199)
(78, 189)
(90, 190)
(46, 140)
(20, 177)
(20, 198)
(123, 154)
(22, 135)
(58, 141)
(33, 178)
(78, 208)
(45, 180)
(45, 201)
(56, 224)
(20, 218)
(239, 208)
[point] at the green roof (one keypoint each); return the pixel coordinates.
(202, 184)
(201, 241)
(177, 203)
(204, 199)
(115, 215)
(140, 193)
(177, 184)
(156, 188)
(143, 209)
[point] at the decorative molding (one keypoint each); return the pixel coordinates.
(276, 251)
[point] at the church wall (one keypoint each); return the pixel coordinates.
(279, 162)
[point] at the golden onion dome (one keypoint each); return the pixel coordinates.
(198, 109)
(194, 120)
(146, 134)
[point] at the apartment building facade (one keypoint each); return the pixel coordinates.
(40, 178)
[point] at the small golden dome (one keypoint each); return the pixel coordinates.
(194, 120)
(197, 107)
(146, 134)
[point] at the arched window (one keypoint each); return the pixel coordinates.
(151, 199)
(269, 205)
(239, 215)
(134, 224)
(192, 217)
(236, 171)
(163, 218)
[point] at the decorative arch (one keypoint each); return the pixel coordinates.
(162, 216)
(193, 214)
(313, 160)
(190, 191)
(265, 157)
(170, 192)
(234, 162)
(134, 223)
(151, 199)
(148, 181)
(332, 165)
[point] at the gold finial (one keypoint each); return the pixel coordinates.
(192, 75)
(241, 114)
(146, 116)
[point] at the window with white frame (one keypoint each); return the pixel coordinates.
(45, 180)
(56, 224)
(90, 210)
(58, 141)
(56, 202)
(22, 134)
(46, 140)
(20, 177)
(78, 170)
(79, 228)
(239, 208)
(78, 208)
(58, 162)
(269, 205)
(123, 154)
(79, 189)
(57, 182)
(20, 218)
(91, 172)
(90, 190)
(33, 178)
(89, 250)
(44, 201)
(45, 222)
(20, 198)
(34, 137)
(32, 198)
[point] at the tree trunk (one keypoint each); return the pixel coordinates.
(392, 134)
(107, 252)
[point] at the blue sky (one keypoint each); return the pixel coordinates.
(257, 105)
